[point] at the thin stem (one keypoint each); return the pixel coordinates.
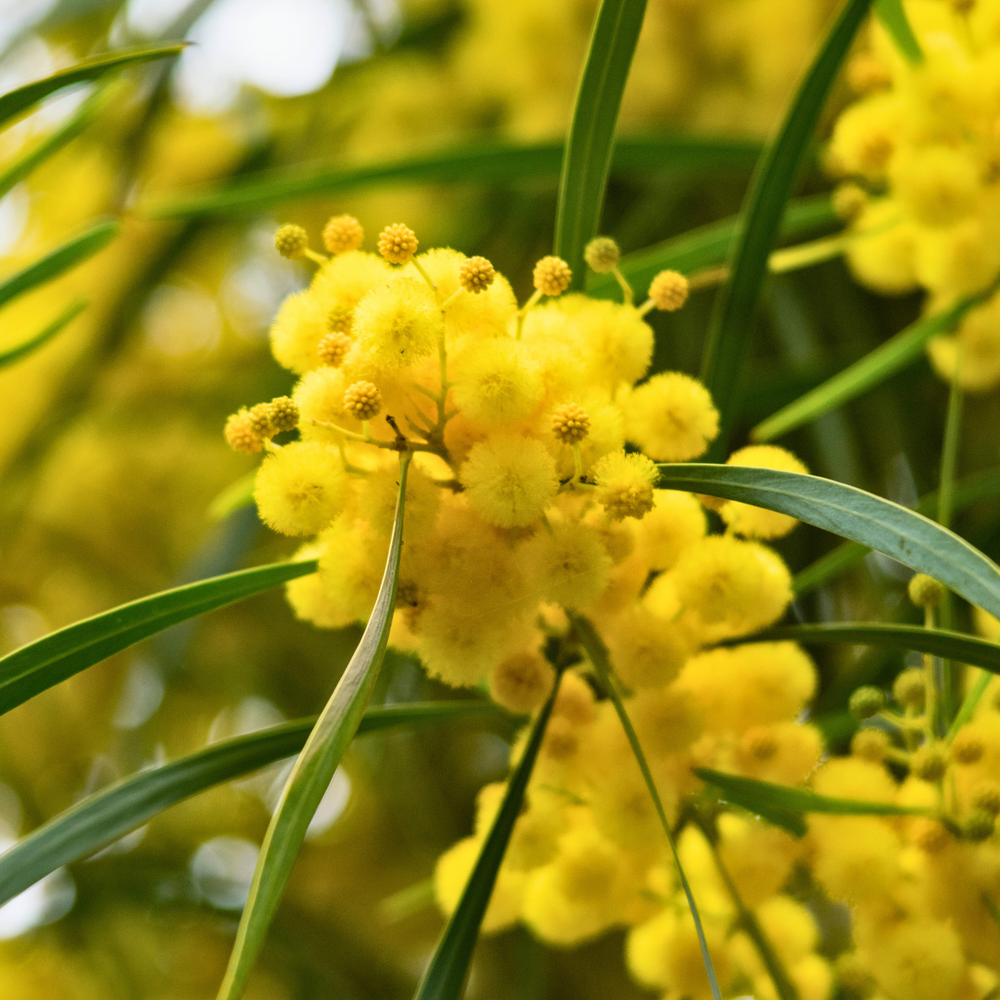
(451, 298)
(423, 274)
(523, 311)
(397, 445)
(646, 307)
(316, 258)
(930, 683)
(628, 296)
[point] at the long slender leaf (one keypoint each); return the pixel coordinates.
(449, 965)
(592, 129)
(12, 354)
(17, 101)
(59, 260)
(102, 818)
(937, 642)
(483, 163)
(968, 707)
(47, 661)
(598, 655)
(735, 309)
(763, 796)
(707, 246)
(892, 14)
(874, 368)
(314, 768)
(984, 485)
(880, 524)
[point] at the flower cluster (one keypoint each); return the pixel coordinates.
(921, 152)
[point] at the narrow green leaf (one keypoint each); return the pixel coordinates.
(15, 102)
(483, 163)
(102, 818)
(911, 538)
(236, 495)
(984, 485)
(47, 661)
(592, 129)
(874, 368)
(707, 246)
(12, 354)
(893, 17)
(968, 706)
(449, 965)
(762, 796)
(59, 260)
(314, 768)
(736, 306)
(937, 642)
(598, 655)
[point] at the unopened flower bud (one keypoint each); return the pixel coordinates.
(602, 254)
(476, 274)
(240, 435)
(979, 825)
(849, 200)
(870, 745)
(930, 835)
(343, 233)
(260, 421)
(929, 763)
(759, 743)
(291, 241)
(283, 414)
(669, 291)
(570, 424)
(925, 591)
(363, 401)
(397, 243)
(333, 348)
(967, 748)
(339, 319)
(552, 276)
(986, 797)
(866, 702)
(909, 688)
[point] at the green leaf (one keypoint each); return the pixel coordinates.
(707, 246)
(236, 495)
(314, 768)
(598, 656)
(483, 163)
(904, 535)
(15, 102)
(102, 818)
(47, 661)
(449, 965)
(736, 306)
(592, 129)
(937, 642)
(874, 368)
(59, 260)
(11, 355)
(893, 17)
(984, 485)
(763, 797)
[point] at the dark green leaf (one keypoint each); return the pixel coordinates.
(893, 16)
(114, 811)
(449, 966)
(902, 534)
(736, 306)
(592, 129)
(51, 659)
(314, 768)
(60, 260)
(10, 355)
(937, 642)
(486, 163)
(874, 368)
(17, 101)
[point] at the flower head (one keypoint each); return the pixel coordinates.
(342, 233)
(552, 276)
(397, 243)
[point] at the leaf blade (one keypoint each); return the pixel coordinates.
(40, 339)
(892, 14)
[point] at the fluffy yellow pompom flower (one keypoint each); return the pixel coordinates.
(496, 383)
(509, 480)
(343, 281)
(343, 233)
(646, 651)
(398, 324)
(757, 522)
(671, 417)
(397, 243)
(522, 682)
(297, 331)
(919, 958)
(676, 521)
(301, 488)
(938, 184)
(380, 493)
(568, 565)
(625, 484)
(616, 342)
(452, 872)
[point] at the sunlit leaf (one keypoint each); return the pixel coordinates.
(10, 355)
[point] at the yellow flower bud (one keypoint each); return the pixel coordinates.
(570, 424)
(866, 701)
(979, 825)
(909, 688)
(340, 319)
(283, 414)
(669, 290)
(260, 421)
(397, 243)
(870, 745)
(967, 748)
(552, 276)
(522, 682)
(849, 200)
(476, 274)
(929, 835)
(986, 797)
(333, 348)
(240, 435)
(343, 233)
(291, 241)
(925, 591)
(602, 254)
(929, 763)
(363, 401)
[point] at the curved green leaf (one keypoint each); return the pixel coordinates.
(937, 642)
(871, 370)
(880, 524)
(102, 818)
(47, 661)
(17, 101)
(59, 260)
(893, 17)
(12, 354)
(482, 163)
(592, 129)
(735, 309)
(314, 768)
(449, 965)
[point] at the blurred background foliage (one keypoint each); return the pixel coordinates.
(111, 449)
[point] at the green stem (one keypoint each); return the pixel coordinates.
(971, 701)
